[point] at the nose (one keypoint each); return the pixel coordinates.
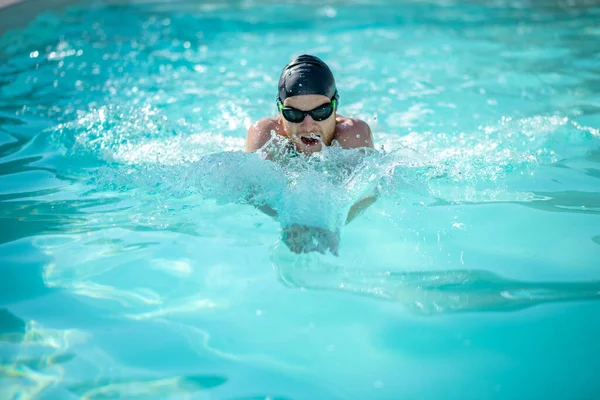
(308, 120)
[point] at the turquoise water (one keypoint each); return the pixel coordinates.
(131, 268)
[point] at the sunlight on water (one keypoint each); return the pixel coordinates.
(36, 365)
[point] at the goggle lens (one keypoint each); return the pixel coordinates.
(320, 113)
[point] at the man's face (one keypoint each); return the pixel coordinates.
(309, 135)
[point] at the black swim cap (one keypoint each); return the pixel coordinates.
(306, 74)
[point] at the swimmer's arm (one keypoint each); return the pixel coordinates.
(353, 133)
(359, 207)
(258, 135)
(264, 135)
(265, 208)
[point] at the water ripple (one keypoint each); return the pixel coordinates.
(125, 189)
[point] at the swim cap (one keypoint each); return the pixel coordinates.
(306, 74)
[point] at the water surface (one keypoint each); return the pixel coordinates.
(132, 267)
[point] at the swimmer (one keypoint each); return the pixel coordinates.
(307, 103)
(308, 120)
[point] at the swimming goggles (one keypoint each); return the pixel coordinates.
(319, 113)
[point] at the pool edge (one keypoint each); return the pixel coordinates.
(18, 13)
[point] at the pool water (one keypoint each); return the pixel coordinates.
(132, 267)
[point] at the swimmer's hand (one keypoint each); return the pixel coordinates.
(305, 239)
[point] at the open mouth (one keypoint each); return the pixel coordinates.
(311, 140)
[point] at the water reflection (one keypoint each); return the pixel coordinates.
(13, 146)
(262, 397)
(12, 328)
(570, 201)
(429, 292)
(27, 218)
(38, 360)
(145, 388)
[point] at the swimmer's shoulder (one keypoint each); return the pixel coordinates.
(259, 133)
(352, 133)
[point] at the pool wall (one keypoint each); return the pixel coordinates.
(17, 13)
